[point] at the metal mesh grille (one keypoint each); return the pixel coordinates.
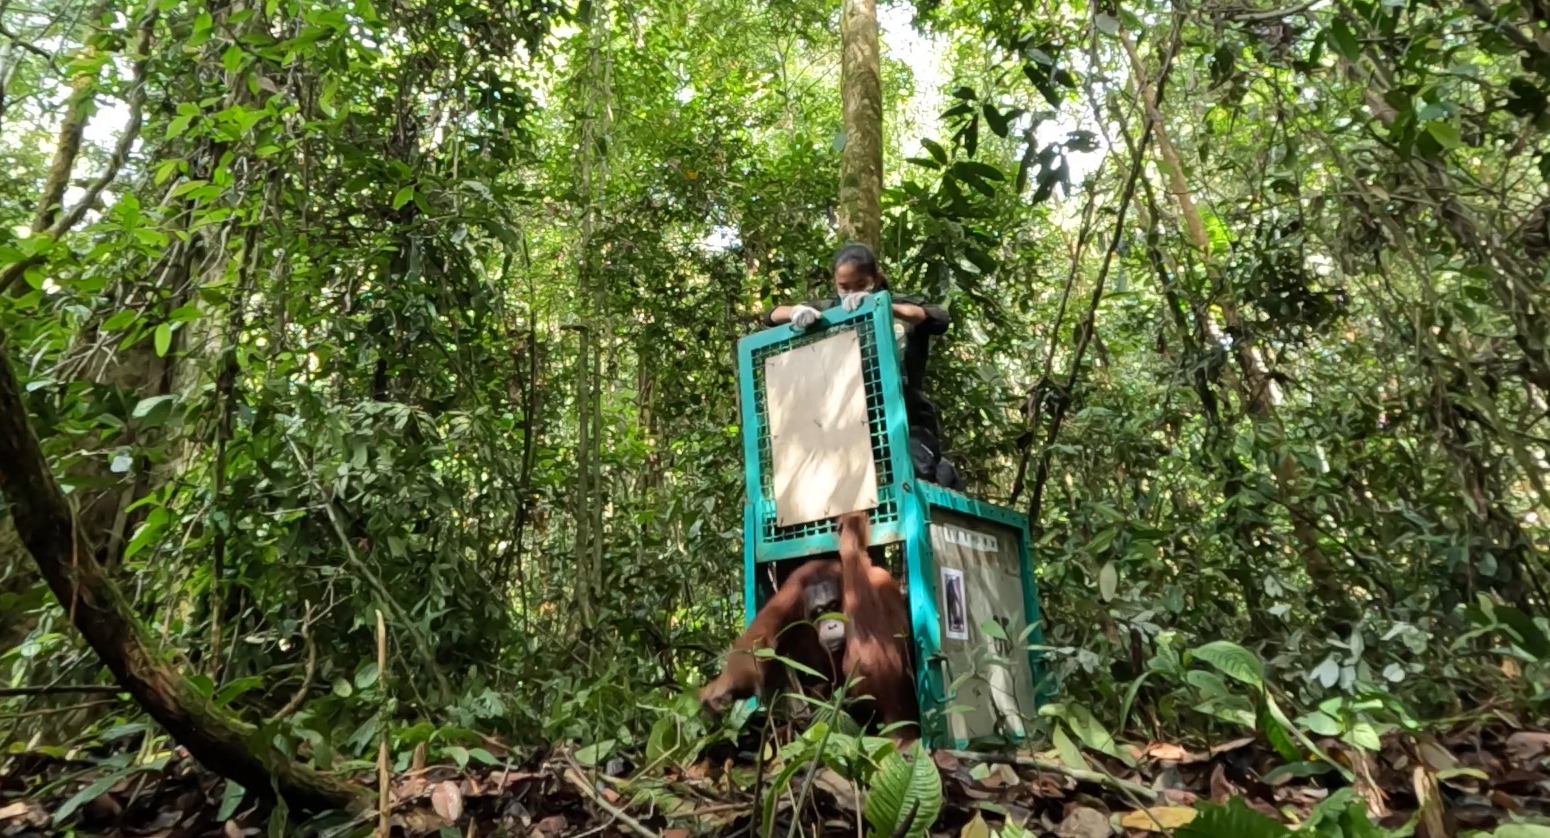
(887, 510)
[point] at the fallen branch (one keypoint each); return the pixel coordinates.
(99, 610)
(1081, 775)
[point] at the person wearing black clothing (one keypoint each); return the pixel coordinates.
(856, 275)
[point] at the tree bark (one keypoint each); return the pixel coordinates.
(46, 526)
(861, 97)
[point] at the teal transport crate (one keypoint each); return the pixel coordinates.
(837, 428)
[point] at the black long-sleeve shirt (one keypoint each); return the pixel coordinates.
(917, 347)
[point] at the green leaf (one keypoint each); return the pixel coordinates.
(482, 756)
(1279, 739)
(231, 798)
(1234, 820)
(906, 795)
(1445, 134)
(144, 407)
(1209, 683)
(1233, 661)
(1363, 735)
(596, 753)
(974, 168)
(1528, 633)
(1344, 40)
(119, 320)
(91, 792)
(664, 738)
(1296, 769)
(997, 121)
(1320, 723)
(1087, 728)
(1108, 581)
(459, 755)
(938, 153)
(1107, 24)
(231, 59)
(163, 339)
(1520, 830)
(1070, 754)
(403, 196)
(226, 694)
(366, 675)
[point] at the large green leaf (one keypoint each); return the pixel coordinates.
(1233, 820)
(1233, 661)
(905, 797)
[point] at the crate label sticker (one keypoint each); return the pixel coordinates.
(968, 538)
(955, 608)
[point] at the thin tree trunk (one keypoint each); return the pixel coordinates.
(861, 97)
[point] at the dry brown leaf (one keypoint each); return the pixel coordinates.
(1157, 818)
(1506, 802)
(1232, 746)
(1083, 822)
(1436, 757)
(1430, 823)
(1366, 782)
(27, 812)
(1527, 745)
(551, 826)
(843, 790)
(1221, 788)
(976, 828)
(675, 833)
(1180, 797)
(945, 761)
(1168, 751)
(447, 800)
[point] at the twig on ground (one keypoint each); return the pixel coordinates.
(574, 776)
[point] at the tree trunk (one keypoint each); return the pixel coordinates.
(97, 608)
(861, 96)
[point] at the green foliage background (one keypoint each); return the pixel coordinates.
(430, 307)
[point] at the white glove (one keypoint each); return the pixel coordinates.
(803, 316)
(853, 301)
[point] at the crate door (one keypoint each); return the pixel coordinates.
(978, 580)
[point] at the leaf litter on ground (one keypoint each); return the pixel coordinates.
(1476, 780)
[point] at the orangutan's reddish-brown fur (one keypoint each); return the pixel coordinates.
(877, 649)
(877, 646)
(776, 624)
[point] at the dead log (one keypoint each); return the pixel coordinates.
(220, 741)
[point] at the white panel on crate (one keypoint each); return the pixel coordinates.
(820, 441)
(980, 582)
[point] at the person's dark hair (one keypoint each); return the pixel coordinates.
(861, 256)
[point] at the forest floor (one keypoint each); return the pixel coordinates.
(1476, 777)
